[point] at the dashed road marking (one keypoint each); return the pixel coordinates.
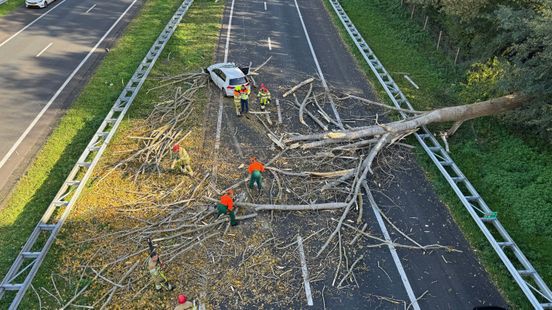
(265, 5)
(90, 9)
(58, 92)
(44, 49)
(269, 44)
(30, 24)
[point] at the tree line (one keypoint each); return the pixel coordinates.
(510, 44)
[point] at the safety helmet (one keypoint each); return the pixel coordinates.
(263, 87)
(238, 87)
(176, 148)
(182, 299)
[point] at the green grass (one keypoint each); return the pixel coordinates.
(49, 169)
(513, 173)
(191, 47)
(9, 6)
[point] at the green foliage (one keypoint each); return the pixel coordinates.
(519, 32)
(513, 174)
(482, 81)
(527, 33)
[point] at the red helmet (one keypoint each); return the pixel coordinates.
(182, 299)
(263, 87)
(176, 147)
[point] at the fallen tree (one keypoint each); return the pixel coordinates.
(455, 114)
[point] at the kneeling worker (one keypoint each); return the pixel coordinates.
(226, 206)
(255, 169)
(182, 160)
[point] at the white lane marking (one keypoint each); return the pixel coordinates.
(228, 32)
(311, 48)
(219, 118)
(334, 108)
(44, 49)
(398, 264)
(90, 9)
(219, 124)
(305, 271)
(30, 24)
(265, 5)
(39, 116)
(269, 44)
(217, 136)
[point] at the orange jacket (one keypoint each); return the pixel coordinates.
(227, 201)
(256, 166)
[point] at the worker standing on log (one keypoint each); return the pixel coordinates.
(237, 98)
(226, 206)
(255, 169)
(264, 96)
(244, 99)
(182, 160)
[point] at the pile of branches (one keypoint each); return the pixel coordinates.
(164, 126)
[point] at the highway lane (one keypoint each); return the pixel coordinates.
(39, 64)
(449, 280)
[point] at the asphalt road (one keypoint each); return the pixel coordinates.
(40, 51)
(447, 280)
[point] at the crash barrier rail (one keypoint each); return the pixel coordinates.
(530, 282)
(35, 249)
(3, 1)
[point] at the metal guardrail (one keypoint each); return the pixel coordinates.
(35, 249)
(518, 265)
(3, 1)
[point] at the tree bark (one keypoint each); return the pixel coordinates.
(448, 114)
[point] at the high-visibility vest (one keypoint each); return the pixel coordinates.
(244, 96)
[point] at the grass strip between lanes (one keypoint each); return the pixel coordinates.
(512, 173)
(37, 187)
(9, 6)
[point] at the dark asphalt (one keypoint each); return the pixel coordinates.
(28, 82)
(449, 280)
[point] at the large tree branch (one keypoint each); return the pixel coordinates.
(449, 114)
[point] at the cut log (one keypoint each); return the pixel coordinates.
(313, 207)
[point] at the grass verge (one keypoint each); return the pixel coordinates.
(512, 173)
(10, 5)
(45, 175)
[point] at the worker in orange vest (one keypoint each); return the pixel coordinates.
(226, 206)
(255, 169)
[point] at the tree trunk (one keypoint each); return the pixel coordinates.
(449, 114)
